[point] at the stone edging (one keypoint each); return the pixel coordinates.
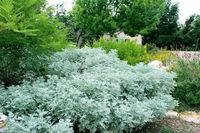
(188, 55)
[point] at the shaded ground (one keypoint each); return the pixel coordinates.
(170, 125)
(180, 126)
(184, 107)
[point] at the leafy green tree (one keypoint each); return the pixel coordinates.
(189, 35)
(63, 16)
(196, 31)
(166, 31)
(188, 24)
(139, 16)
(184, 35)
(26, 33)
(96, 17)
(93, 18)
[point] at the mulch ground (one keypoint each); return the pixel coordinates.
(170, 124)
(180, 126)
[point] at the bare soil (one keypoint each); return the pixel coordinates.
(170, 125)
(180, 126)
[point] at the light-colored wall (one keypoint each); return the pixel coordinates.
(189, 55)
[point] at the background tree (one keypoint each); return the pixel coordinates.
(184, 35)
(139, 16)
(93, 18)
(26, 33)
(165, 34)
(196, 32)
(66, 18)
(96, 17)
(189, 34)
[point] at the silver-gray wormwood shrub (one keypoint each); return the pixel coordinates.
(95, 90)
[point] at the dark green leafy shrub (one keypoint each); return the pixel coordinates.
(27, 34)
(95, 90)
(166, 129)
(129, 51)
(188, 82)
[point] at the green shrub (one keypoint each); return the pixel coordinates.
(27, 33)
(188, 82)
(96, 91)
(129, 51)
(166, 129)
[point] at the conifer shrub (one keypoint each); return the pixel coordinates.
(96, 91)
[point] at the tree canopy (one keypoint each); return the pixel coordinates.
(165, 33)
(189, 34)
(96, 17)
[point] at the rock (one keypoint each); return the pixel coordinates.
(156, 64)
(122, 36)
(106, 36)
(137, 39)
(3, 122)
(172, 114)
(190, 117)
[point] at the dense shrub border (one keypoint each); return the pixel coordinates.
(94, 90)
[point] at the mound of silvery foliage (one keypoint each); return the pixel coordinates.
(93, 90)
